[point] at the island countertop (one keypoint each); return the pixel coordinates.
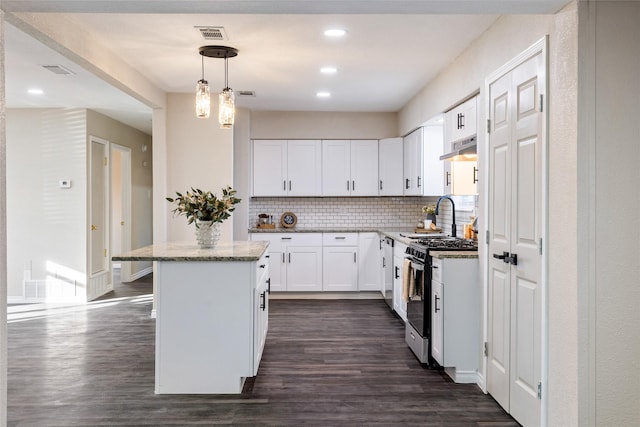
(187, 251)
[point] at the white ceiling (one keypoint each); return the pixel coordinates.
(383, 60)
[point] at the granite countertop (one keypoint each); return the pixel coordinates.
(186, 251)
(454, 254)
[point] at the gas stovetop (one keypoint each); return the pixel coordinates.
(421, 246)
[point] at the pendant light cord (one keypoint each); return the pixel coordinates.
(202, 57)
(226, 73)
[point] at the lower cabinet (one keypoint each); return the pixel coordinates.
(340, 262)
(455, 310)
(295, 261)
(261, 311)
(369, 262)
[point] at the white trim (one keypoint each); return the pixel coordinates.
(126, 205)
(482, 382)
(462, 377)
(539, 47)
(141, 273)
(326, 295)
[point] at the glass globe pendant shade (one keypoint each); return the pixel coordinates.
(203, 99)
(226, 110)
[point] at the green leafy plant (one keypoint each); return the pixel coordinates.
(429, 209)
(204, 205)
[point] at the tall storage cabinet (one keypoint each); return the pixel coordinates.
(287, 168)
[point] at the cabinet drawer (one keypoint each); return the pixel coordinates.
(339, 239)
(278, 241)
(436, 269)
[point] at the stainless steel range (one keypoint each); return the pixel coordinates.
(418, 327)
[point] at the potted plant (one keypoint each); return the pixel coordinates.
(430, 210)
(207, 210)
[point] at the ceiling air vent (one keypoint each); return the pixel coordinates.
(212, 33)
(58, 69)
(246, 93)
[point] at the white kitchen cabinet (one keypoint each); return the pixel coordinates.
(461, 178)
(390, 167)
(399, 304)
(423, 169)
(387, 270)
(455, 315)
(369, 262)
(261, 311)
(295, 260)
(413, 163)
(287, 168)
(340, 262)
(350, 168)
(461, 122)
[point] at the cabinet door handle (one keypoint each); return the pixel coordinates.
(262, 265)
(381, 184)
(461, 121)
(285, 238)
(289, 185)
(347, 185)
(353, 186)
(289, 257)
(436, 304)
(284, 185)
(475, 174)
(406, 183)
(283, 257)
(448, 183)
(269, 285)
(340, 237)
(354, 257)
(419, 182)
(263, 301)
(396, 273)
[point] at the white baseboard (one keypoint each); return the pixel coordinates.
(140, 274)
(462, 377)
(482, 383)
(326, 295)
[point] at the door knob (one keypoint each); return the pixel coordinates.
(94, 227)
(512, 259)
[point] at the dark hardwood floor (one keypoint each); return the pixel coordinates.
(326, 363)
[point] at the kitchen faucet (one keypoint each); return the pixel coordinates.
(453, 213)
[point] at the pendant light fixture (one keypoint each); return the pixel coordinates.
(203, 97)
(226, 98)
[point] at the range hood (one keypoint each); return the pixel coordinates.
(462, 150)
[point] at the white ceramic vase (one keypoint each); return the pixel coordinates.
(207, 233)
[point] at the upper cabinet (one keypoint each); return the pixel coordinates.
(350, 167)
(423, 169)
(390, 167)
(461, 178)
(462, 121)
(287, 168)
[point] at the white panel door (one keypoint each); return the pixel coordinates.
(340, 268)
(304, 268)
(304, 167)
(390, 158)
(270, 168)
(364, 167)
(99, 213)
(369, 262)
(336, 167)
(515, 216)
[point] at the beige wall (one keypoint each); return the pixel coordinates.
(322, 125)
(609, 201)
(141, 176)
(509, 36)
(46, 224)
(199, 154)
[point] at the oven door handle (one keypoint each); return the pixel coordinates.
(417, 265)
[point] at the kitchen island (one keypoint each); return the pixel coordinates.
(211, 314)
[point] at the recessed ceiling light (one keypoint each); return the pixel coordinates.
(323, 94)
(335, 33)
(328, 70)
(35, 91)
